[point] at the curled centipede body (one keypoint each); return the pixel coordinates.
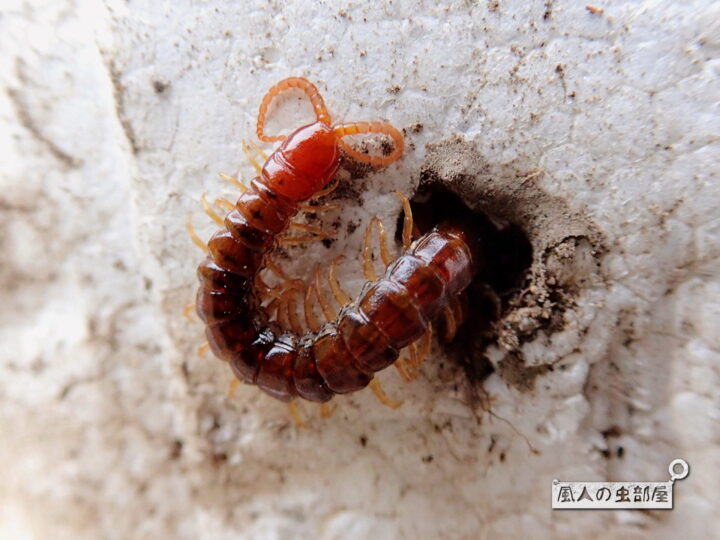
(391, 312)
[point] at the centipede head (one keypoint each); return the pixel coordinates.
(305, 163)
(308, 158)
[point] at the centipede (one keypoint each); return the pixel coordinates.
(256, 328)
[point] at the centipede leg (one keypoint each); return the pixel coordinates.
(407, 220)
(327, 190)
(295, 415)
(210, 212)
(296, 240)
(293, 317)
(326, 410)
(234, 181)
(368, 267)
(250, 157)
(202, 349)
(232, 387)
(262, 154)
(382, 396)
(227, 205)
(314, 209)
(450, 323)
(187, 311)
(382, 241)
(341, 297)
(402, 368)
(327, 309)
(311, 229)
(193, 235)
(311, 318)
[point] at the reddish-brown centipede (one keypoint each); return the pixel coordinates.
(390, 314)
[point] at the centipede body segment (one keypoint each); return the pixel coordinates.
(391, 313)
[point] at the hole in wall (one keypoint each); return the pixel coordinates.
(542, 255)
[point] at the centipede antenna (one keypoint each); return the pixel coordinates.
(295, 415)
(407, 221)
(311, 318)
(250, 157)
(368, 268)
(341, 297)
(382, 396)
(234, 181)
(210, 212)
(187, 311)
(193, 235)
(327, 309)
(382, 128)
(310, 91)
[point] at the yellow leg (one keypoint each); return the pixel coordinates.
(425, 346)
(327, 309)
(250, 157)
(295, 415)
(232, 387)
(262, 154)
(311, 318)
(311, 229)
(384, 251)
(326, 410)
(227, 205)
(296, 240)
(234, 181)
(368, 268)
(450, 323)
(407, 221)
(341, 297)
(382, 396)
(188, 311)
(210, 212)
(319, 207)
(328, 190)
(193, 235)
(293, 317)
(272, 308)
(202, 349)
(275, 269)
(401, 366)
(282, 313)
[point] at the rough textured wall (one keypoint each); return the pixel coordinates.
(594, 131)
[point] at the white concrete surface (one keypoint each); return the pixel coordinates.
(117, 116)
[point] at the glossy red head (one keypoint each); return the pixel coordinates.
(304, 164)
